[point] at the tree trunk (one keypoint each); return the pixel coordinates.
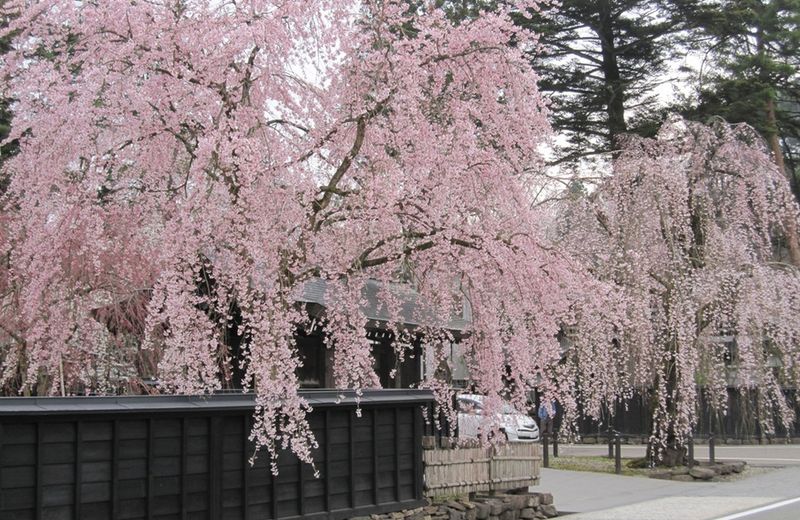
(614, 88)
(792, 239)
(674, 454)
(792, 242)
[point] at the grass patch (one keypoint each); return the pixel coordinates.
(596, 464)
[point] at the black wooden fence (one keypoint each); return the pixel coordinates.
(633, 417)
(160, 458)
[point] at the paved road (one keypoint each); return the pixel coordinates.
(596, 496)
(783, 510)
(755, 455)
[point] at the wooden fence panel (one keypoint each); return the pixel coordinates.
(459, 471)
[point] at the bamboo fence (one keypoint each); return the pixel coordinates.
(459, 471)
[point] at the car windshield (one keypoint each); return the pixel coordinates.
(476, 403)
(466, 405)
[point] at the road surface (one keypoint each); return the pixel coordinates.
(770, 495)
(782, 510)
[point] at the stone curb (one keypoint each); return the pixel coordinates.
(700, 472)
(521, 505)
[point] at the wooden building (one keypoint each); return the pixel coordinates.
(187, 458)
(317, 362)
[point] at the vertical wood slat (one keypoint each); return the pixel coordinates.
(375, 480)
(301, 486)
(150, 465)
(326, 476)
(397, 453)
(38, 507)
(215, 467)
(2, 438)
(78, 457)
(245, 467)
(184, 468)
(491, 470)
(418, 469)
(351, 422)
(114, 469)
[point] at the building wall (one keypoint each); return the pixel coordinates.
(169, 458)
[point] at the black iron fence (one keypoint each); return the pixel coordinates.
(188, 458)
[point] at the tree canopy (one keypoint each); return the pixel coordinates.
(180, 161)
(185, 169)
(685, 230)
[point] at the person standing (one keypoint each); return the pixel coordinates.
(546, 413)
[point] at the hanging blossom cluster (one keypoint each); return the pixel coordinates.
(185, 168)
(689, 231)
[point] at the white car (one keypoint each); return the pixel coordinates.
(515, 425)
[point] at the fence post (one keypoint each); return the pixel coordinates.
(711, 449)
(545, 450)
(691, 452)
(454, 427)
(618, 454)
(610, 444)
(491, 452)
(555, 444)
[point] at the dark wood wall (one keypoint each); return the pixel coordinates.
(165, 458)
(317, 369)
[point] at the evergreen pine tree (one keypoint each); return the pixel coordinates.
(753, 49)
(600, 63)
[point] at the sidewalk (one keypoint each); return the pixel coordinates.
(612, 497)
(580, 491)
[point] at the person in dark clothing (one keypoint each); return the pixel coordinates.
(547, 412)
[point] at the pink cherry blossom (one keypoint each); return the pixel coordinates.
(688, 231)
(182, 162)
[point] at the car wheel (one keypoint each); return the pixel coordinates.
(502, 436)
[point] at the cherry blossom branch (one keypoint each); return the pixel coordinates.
(472, 50)
(408, 251)
(344, 166)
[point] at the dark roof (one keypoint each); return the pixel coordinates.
(411, 312)
(195, 403)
